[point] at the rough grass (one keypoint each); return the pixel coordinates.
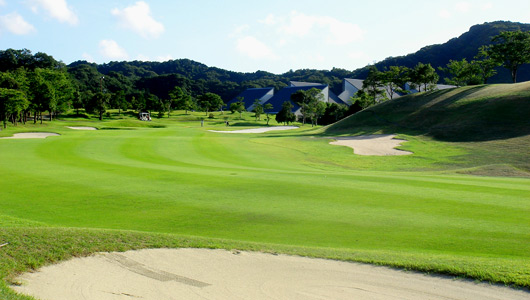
(33, 247)
(289, 192)
(490, 122)
(474, 113)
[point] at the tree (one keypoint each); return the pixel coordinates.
(42, 95)
(285, 115)
(511, 49)
(210, 101)
(61, 88)
(267, 108)
(238, 106)
(394, 79)
(181, 99)
(317, 112)
(462, 72)
(138, 102)
(373, 85)
(258, 109)
(362, 99)
(77, 102)
(98, 103)
(12, 103)
(485, 64)
(424, 75)
(333, 113)
(119, 101)
(307, 100)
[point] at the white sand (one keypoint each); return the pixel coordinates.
(377, 144)
(217, 274)
(31, 135)
(256, 130)
(82, 128)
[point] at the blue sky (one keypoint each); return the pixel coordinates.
(245, 36)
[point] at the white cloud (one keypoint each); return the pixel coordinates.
(142, 57)
(299, 25)
(239, 30)
(15, 24)
(138, 19)
(463, 7)
(337, 32)
(445, 14)
(487, 6)
(253, 48)
(270, 20)
(160, 58)
(88, 57)
(110, 49)
(57, 9)
(342, 33)
(357, 55)
(2, 3)
(163, 58)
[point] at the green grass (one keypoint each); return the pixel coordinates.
(489, 122)
(171, 183)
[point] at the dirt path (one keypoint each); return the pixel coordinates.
(218, 274)
(377, 144)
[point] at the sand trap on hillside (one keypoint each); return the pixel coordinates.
(218, 274)
(256, 130)
(31, 135)
(376, 144)
(82, 128)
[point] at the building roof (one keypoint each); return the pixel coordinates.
(358, 83)
(285, 95)
(250, 95)
(335, 99)
(301, 83)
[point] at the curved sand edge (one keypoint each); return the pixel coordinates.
(31, 135)
(256, 130)
(81, 128)
(375, 144)
(220, 274)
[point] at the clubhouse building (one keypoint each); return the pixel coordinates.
(349, 88)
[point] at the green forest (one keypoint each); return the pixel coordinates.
(32, 84)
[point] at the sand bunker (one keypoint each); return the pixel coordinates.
(256, 130)
(31, 135)
(218, 274)
(82, 128)
(377, 144)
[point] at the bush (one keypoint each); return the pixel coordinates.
(211, 116)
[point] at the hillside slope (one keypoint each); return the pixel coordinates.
(464, 46)
(491, 121)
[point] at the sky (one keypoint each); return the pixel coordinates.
(245, 36)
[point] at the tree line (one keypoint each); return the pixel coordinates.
(509, 49)
(31, 84)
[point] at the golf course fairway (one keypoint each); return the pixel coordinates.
(289, 192)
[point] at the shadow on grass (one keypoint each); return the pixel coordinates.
(445, 119)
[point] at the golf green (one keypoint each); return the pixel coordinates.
(285, 188)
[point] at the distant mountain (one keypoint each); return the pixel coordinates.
(159, 77)
(464, 46)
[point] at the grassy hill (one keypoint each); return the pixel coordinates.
(486, 118)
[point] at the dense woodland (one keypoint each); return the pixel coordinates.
(31, 84)
(462, 47)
